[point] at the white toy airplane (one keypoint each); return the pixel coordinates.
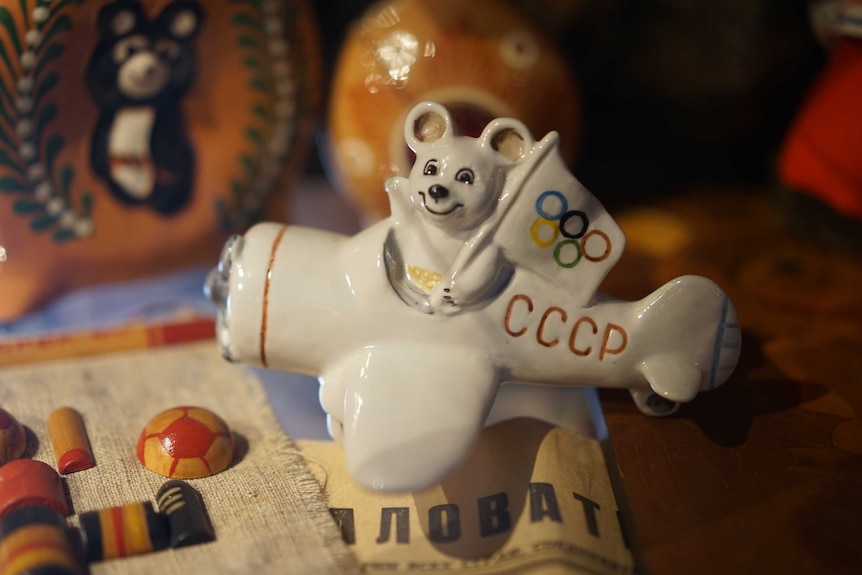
(486, 273)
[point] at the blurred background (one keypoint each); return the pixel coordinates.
(293, 111)
(670, 92)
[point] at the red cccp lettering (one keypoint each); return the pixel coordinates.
(610, 329)
(510, 308)
(614, 338)
(574, 336)
(539, 333)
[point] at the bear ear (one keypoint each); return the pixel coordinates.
(426, 123)
(180, 20)
(508, 137)
(119, 18)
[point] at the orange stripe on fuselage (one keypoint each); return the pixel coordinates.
(266, 283)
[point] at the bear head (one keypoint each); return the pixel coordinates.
(456, 180)
(138, 60)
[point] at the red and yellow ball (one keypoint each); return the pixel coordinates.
(187, 443)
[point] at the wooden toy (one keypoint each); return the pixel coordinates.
(481, 59)
(13, 439)
(122, 531)
(27, 482)
(69, 441)
(134, 135)
(33, 540)
(186, 443)
(486, 273)
(188, 523)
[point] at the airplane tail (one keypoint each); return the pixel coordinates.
(728, 344)
(697, 337)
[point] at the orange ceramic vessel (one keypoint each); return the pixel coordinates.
(135, 134)
(480, 59)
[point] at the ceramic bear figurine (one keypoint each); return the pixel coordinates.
(486, 273)
(452, 190)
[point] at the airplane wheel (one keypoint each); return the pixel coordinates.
(652, 404)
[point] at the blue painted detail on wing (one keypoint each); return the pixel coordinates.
(720, 344)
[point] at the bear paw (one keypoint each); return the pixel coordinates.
(444, 299)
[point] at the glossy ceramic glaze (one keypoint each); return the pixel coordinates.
(134, 136)
(479, 58)
(186, 443)
(486, 273)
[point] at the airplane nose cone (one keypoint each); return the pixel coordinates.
(217, 284)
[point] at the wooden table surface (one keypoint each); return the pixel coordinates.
(763, 475)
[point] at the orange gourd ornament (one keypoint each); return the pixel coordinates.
(136, 134)
(480, 59)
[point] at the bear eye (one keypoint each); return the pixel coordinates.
(465, 175)
(167, 49)
(430, 168)
(128, 47)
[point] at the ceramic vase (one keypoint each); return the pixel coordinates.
(136, 134)
(480, 59)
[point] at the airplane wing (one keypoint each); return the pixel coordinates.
(412, 411)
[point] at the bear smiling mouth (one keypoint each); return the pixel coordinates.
(436, 213)
(446, 213)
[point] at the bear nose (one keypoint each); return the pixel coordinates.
(438, 192)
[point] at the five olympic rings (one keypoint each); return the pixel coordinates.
(572, 225)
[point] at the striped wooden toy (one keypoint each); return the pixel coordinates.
(29, 482)
(33, 540)
(121, 531)
(187, 518)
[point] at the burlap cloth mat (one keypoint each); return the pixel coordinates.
(267, 510)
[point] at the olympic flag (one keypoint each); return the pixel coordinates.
(548, 223)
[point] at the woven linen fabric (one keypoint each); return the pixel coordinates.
(267, 510)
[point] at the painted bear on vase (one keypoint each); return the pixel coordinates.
(137, 75)
(138, 134)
